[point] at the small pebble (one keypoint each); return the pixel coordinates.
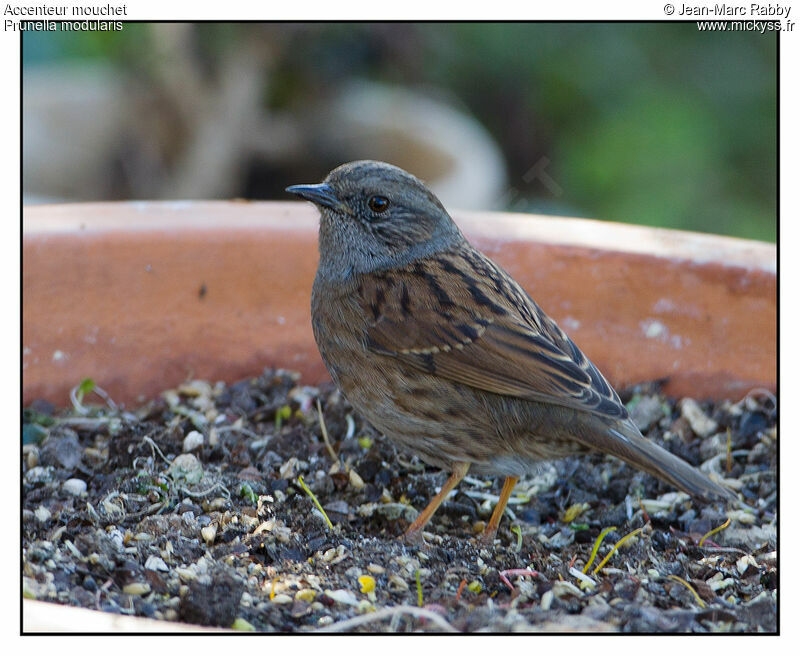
(192, 441)
(218, 503)
(375, 569)
(396, 584)
(742, 516)
(701, 424)
(281, 599)
(565, 588)
(342, 597)
(265, 527)
(136, 588)
(209, 533)
(63, 451)
(355, 480)
(156, 564)
(647, 412)
(39, 474)
(746, 562)
(195, 388)
(42, 515)
(74, 486)
(290, 468)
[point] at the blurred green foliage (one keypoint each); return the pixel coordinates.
(658, 124)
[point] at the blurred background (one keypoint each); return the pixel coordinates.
(657, 124)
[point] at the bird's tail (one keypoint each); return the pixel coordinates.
(627, 443)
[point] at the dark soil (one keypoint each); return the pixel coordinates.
(117, 517)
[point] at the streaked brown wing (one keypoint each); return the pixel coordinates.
(460, 317)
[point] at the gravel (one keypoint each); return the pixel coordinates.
(191, 508)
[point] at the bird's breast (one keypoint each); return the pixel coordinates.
(339, 328)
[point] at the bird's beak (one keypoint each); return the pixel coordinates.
(319, 194)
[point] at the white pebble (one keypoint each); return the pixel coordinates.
(342, 597)
(39, 474)
(289, 469)
(42, 514)
(209, 533)
(396, 584)
(156, 564)
(355, 480)
(745, 562)
(742, 516)
(701, 423)
(192, 441)
(136, 589)
(565, 588)
(74, 486)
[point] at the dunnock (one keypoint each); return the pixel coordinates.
(445, 353)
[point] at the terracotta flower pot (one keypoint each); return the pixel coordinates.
(139, 296)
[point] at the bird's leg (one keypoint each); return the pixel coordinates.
(491, 528)
(414, 532)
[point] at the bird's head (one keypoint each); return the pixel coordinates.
(376, 216)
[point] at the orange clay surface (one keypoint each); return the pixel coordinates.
(140, 296)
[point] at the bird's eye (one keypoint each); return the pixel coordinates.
(378, 204)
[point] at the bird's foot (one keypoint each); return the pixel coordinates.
(486, 539)
(413, 538)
